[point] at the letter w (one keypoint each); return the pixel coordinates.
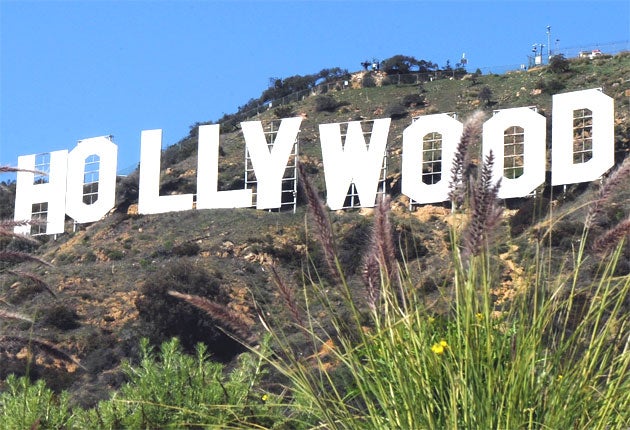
(353, 161)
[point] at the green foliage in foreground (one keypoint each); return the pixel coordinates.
(169, 389)
(25, 405)
(547, 362)
(173, 389)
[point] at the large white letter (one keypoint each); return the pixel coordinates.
(532, 155)
(413, 157)
(107, 153)
(207, 175)
(269, 166)
(149, 199)
(596, 136)
(52, 192)
(353, 162)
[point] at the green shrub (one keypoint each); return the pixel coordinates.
(114, 254)
(559, 64)
(326, 103)
(89, 257)
(65, 258)
(186, 249)
(173, 389)
(550, 86)
(26, 405)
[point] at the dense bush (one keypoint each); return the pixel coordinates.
(326, 103)
(164, 316)
(368, 81)
(186, 249)
(285, 111)
(395, 111)
(413, 100)
(60, 316)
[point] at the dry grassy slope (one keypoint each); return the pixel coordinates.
(99, 270)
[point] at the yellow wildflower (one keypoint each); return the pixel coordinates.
(479, 316)
(439, 347)
(264, 397)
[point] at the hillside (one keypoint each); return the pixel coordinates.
(110, 278)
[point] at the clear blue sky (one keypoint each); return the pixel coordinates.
(71, 70)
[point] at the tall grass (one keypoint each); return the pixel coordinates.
(555, 357)
(548, 361)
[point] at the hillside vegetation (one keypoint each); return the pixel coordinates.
(110, 281)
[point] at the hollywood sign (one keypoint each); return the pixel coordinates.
(346, 161)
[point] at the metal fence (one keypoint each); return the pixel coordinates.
(417, 78)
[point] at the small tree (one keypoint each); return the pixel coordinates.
(485, 95)
(559, 64)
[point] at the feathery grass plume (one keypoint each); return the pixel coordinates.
(322, 222)
(460, 171)
(616, 179)
(20, 257)
(223, 315)
(612, 237)
(35, 279)
(485, 211)
(14, 315)
(9, 341)
(287, 295)
(371, 276)
(380, 256)
(383, 235)
(9, 169)
(8, 224)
